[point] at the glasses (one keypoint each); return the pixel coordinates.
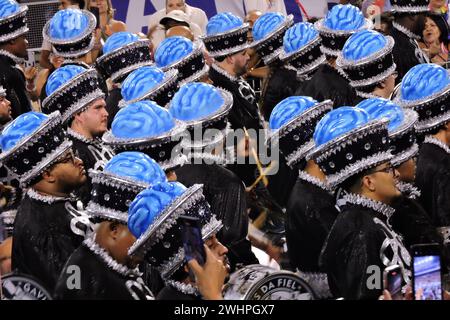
(389, 169)
(68, 157)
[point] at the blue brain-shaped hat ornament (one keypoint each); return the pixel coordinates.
(13, 20)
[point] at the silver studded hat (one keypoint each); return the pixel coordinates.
(31, 143)
(410, 6)
(123, 53)
(123, 177)
(70, 89)
(366, 60)
(339, 24)
(292, 124)
(348, 142)
(179, 53)
(70, 31)
(268, 32)
(426, 89)
(226, 34)
(155, 219)
(146, 127)
(13, 20)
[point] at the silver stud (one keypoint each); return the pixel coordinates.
(26, 161)
(367, 146)
(91, 83)
(59, 105)
(106, 197)
(270, 48)
(428, 113)
(349, 156)
(11, 26)
(166, 244)
(331, 164)
(41, 150)
(226, 42)
(332, 42)
(442, 108)
(141, 54)
(361, 73)
(152, 259)
(94, 192)
(384, 140)
(193, 67)
(74, 93)
(380, 66)
(127, 203)
(14, 169)
(296, 137)
(162, 154)
(310, 57)
(56, 139)
(169, 94)
(241, 39)
(123, 60)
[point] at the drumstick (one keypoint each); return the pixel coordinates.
(258, 163)
(261, 176)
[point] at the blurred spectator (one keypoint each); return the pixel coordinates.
(265, 6)
(371, 8)
(5, 256)
(46, 48)
(383, 23)
(439, 6)
(43, 75)
(5, 107)
(172, 19)
(107, 24)
(194, 15)
(435, 38)
(250, 18)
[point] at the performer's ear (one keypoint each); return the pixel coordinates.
(114, 229)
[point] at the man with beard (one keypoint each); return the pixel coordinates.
(13, 49)
(107, 271)
(407, 52)
(47, 229)
(353, 152)
(76, 93)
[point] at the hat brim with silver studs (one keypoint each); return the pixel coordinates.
(307, 58)
(334, 40)
(14, 25)
(408, 6)
(358, 150)
(161, 93)
(216, 121)
(433, 110)
(370, 70)
(164, 148)
(403, 139)
(36, 152)
(119, 63)
(190, 68)
(74, 47)
(112, 195)
(227, 43)
(161, 244)
(295, 137)
(269, 47)
(75, 95)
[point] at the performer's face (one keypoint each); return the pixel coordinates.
(407, 171)
(219, 250)
(20, 46)
(123, 240)
(383, 182)
(240, 61)
(95, 118)
(5, 110)
(68, 173)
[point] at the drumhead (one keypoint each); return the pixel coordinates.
(22, 287)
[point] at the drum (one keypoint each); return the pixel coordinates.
(258, 282)
(22, 287)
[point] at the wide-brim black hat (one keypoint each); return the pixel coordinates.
(165, 148)
(295, 138)
(191, 67)
(75, 95)
(119, 63)
(112, 195)
(334, 40)
(161, 93)
(269, 47)
(358, 150)
(14, 25)
(74, 47)
(161, 243)
(37, 151)
(370, 70)
(403, 139)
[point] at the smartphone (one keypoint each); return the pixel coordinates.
(31, 60)
(393, 281)
(95, 11)
(191, 235)
(427, 272)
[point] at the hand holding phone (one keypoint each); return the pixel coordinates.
(191, 236)
(427, 272)
(393, 281)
